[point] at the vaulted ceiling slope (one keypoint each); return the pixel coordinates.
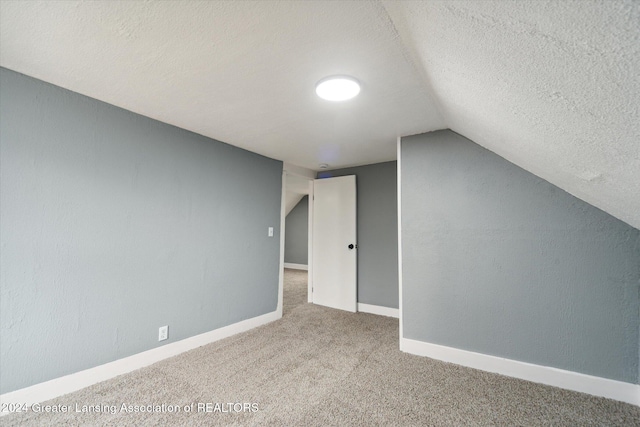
(551, 86)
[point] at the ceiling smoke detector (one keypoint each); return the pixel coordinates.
(338, 88)
(323, 165)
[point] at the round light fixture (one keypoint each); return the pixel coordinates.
(337, 88)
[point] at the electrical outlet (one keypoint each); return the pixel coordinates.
(270, 232)
(163, 333)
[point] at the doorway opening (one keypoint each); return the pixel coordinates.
(297, 206)
(295, 290)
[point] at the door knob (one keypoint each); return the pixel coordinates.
(351, 246)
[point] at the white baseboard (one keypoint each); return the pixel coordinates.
(379, 310)
(296, 266)
(597, 386)
(60, 386)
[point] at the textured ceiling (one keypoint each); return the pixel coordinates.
(241, 72)
(552, 86)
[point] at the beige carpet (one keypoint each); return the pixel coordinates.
(323, 367)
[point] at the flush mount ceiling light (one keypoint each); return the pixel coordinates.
(337, 88)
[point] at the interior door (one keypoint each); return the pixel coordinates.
(334, 243)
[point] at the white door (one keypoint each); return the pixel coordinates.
(334, 242)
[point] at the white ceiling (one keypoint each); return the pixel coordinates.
(552, 86)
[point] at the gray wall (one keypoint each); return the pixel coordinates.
(296, 234)
(500, 262)
(377, 206)
(114, 224)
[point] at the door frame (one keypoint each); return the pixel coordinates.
(283, 197)
(310, 245)
(291, 170)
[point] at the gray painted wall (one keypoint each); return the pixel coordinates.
(377, 205)
(500, 262)
(296, 234)
(114, 224)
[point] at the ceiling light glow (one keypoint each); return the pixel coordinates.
(338, 88)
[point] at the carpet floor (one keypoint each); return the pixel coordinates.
(323, 367)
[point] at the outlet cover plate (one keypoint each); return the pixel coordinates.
(163, 333)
